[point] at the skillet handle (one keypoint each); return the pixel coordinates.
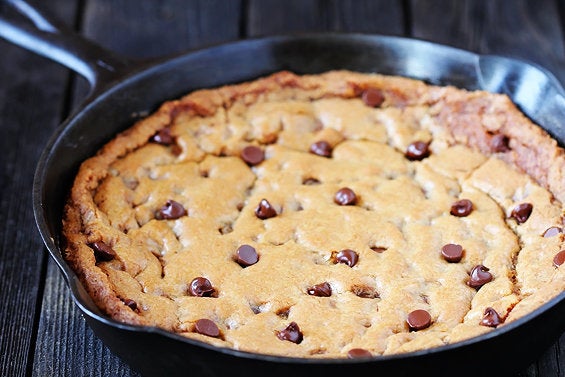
(40, 32)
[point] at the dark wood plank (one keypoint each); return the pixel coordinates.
(32, 91)
(370, 16)
(144, 29)
(66, 346)
(267, 17)
(552, 362)
(155, 29)
(151, 29)
(529, 30)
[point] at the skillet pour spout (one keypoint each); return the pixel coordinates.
(121, 87)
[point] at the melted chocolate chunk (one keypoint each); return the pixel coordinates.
(201, 287)
(419, 319)
(358, 353)
(345, 197)
(102, 252)
(364, 291)
(379, 249)
(479, 276)
(500, 143)
(321, 148)
(372, 97)
(170, 211)
(348, 257)
(321, 290)
(522, 212)
(552, 232)
(491, 318)
(559, 258)
(163, 136)
(265, 210)
(452, 253)
(461, 208)
(291, 333)
(246, 255)
(207, 327)
(252, 155)
(417, 151)
(130, 303)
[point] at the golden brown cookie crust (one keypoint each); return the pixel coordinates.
(481, 148)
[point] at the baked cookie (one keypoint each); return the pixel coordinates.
(335, 215)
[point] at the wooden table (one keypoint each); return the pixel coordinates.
(42, 332)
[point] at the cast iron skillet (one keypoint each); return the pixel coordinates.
(121, 87)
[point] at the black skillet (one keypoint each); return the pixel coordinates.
(122, 88)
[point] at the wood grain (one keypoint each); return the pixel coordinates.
(528, 30)
(65, 343)
(32, 91)
(143, 30)
(267, 17)
(146, 29)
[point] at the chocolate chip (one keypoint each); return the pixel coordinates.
(265, 210)
(252, 155)
(201, 287)
(170, 211)
(419, 319)
(291, 333)
(130, 303)
(102, 252)
(163, 136)
(552, 232)
(479, 276)
(321, 290)
(522, 212)
(461, 208)
(345, 196)
(358, 353)
(417, 151)
(491, 318)
(246, 255)
(207, 327)
(500, 143)
(348, 257)
(372, 97)
(559, 258)
(452, 252)
(321, 148)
